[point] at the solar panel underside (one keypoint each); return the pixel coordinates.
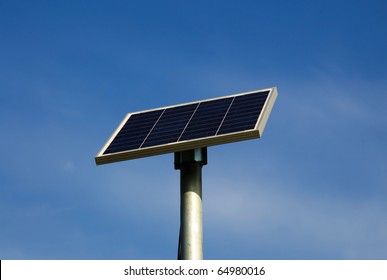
(189, 126)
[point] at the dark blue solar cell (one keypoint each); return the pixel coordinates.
(207, 118)
(133, 133)
(170, 126)
(243, 113)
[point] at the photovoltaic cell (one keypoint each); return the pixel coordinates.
(134, 132)
(206, 120)
(244, 113)
(170, 126)
(187, 126)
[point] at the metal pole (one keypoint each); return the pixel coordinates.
(191, 224)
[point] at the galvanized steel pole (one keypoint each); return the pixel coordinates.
(191, 224)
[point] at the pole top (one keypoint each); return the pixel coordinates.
(199, 155)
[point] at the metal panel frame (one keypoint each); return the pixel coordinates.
(100, 158)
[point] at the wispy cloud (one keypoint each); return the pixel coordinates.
(340, 228)
(68, 166)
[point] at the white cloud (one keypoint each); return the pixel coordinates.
(252, 211)
(68, 166)
(330, 100)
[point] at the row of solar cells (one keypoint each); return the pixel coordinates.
(189, 122)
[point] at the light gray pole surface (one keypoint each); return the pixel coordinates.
(191, 225)
(191, 211)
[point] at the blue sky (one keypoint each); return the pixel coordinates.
(313, 187)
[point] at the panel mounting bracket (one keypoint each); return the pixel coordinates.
(198, 155)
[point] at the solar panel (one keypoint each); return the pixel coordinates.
(188, 126)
